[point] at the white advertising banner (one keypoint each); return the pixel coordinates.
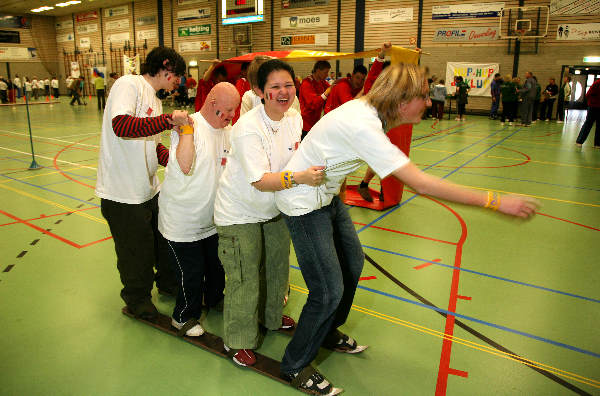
(75, 71)
(195, 13)
(116, 11)
(61, 38)
(194, 46)
(478, 76)
(118, 24)
(85, 42)
(578, 31)
(466, 34)
(118, 37)
(64, 25)
(90, 28)
(146, 34)
(131, 65)
(12, 53)
(574, 7)
(304, 21)
(459, 11)
(185, 2)
(391, 15)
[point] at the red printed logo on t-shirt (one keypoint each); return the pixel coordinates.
(149, 111)
(223, 161)
(296, 145)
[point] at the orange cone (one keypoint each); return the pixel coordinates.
(90, 98)
(47, 99)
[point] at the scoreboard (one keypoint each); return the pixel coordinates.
(242, 11)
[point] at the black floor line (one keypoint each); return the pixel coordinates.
(57, 221)
(8, 268)
(475, 333)
(34, 242)
(23, 253)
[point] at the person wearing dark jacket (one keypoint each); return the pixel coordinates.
(551, 93)
(510, 97)
(593, 115)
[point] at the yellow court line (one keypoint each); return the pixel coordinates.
(537, 196)
(48, 158)
(508, 158)
(75, 211)
(50, 138)
(467, 343)
(38, 175)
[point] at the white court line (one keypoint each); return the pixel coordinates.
(48, 158)
(82, 134)
(49, 138)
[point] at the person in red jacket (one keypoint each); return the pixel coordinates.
(212, 76)
(242, 85)
(345, 89)
(314, 91)
(593, 115)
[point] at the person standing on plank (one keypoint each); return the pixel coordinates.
(327, 246)
(197, 158)
(130, 151)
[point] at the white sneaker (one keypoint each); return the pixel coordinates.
(510, 123)
(195, 331)
(547, 119)
(457, 119)
(559, 121)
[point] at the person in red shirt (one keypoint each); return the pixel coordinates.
(593, 115)
(242, 85)
(345, 89)
(190, 84)
(314, 91)
(212, 76)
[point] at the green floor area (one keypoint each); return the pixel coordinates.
(525, 294)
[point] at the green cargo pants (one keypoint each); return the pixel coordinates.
(256, 261)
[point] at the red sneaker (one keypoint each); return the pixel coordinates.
(243, 357)
(287, 323)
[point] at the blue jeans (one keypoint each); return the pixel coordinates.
(495, 106)
(331, 260)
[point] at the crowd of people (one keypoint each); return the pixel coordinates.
(30, 88)
(235, 197)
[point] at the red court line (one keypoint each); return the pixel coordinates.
(53, 235)
(37, 140)
(405, 233)
(460, 373)
(427, 264)
(464, 297)
(64, 174)
(568, 221)
(43, 216)
(363, 278)
(527, 160)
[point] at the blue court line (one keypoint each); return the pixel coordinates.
(58, 182)
(443, 177)
(500, 327)
(52, 191)
(525, 180)
(437, 137)
(484, 274)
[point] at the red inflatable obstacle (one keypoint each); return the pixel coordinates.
(390, 186)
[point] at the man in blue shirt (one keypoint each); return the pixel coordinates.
(495, 89)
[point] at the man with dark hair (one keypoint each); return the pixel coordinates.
(346, 89)
(528, 93)
(212, 76)
(314, 91)
(495, 91)
(130, 151)
(550, 93)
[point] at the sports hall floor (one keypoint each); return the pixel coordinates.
(530, 288)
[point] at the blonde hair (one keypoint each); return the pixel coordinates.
(397, 84)
(254, 66)
(508, 78)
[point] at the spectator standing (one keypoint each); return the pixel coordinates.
(345, 89)
(100, 93)
(17, 85)
(438, 100)
(495, 91)
(76, 89)
(593, 115)
(28, 89)
(47, 86)
(528, 93)
(112, 78)
(551, 92)
(3, 90)
(314, 91)
(510, 97)
(190, 85)
(537, 101)
(564, 95)
(34, 87)
(462, 95)
(54, 85)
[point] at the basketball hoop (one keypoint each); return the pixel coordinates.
(521, 33)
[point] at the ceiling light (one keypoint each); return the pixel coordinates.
(43, 8)
(68, 3)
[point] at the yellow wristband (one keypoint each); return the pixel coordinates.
(493, 201)
(186, 130)
(286, 179)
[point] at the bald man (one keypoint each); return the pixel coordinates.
(197, 158)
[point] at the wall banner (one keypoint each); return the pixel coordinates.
(470, 34)
(61, 38)
(16, 22)
(303, 3)
(91, 28)
(64, 25)
(307, 39)
(75, 71)
(186, 2)
(118, 24)
(194, 30)
(457, 11)
(304, 21)
(391, 15)
(195, 13)
(86, 16)
(574, 7)
(12, 53)
(10, 36)
(131, 65)
(194, 46)
(146, 34)
(478, 76)
(116, 11)
(118, 37)
(146, 20)
(84, 42)
(578, 31)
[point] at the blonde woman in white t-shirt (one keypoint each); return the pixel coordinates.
(254, 244)
(343, 140)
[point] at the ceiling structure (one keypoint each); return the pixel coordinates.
(23, 7)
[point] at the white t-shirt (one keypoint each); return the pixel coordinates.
(127, 166)
(250, 100)
(27, 86)
(17, 82)
(54, 83)
(342, 141)
(34, 84)
(3, 86)
(186, 202)
(255, 150)
(46, 82)
(68, 81)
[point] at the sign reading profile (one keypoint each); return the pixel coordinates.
(307, 39)
(466, 34)
(305, 21)
(303, 3)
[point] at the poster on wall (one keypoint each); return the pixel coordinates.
(186, 2)
(116, 11)
(242, 35)
(195, 13)
(85, 42)
(305, 21)
(469, 34)
(12, 53)
(459, 11)
(303, 3)
(194, 46)
(118, 24)
(478, 76)
(578, 31)
(86, 16)
(574, 7)
(15, 22)
(118, 37)
(65, 24)
(10, 36)
(61, 38)
(391, 15)
(194, 30)
(131, 65)
(75, 71)
(90, 28)
(307, 39)
(146, 34)
(146, 20)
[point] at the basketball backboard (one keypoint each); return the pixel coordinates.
(524, 22)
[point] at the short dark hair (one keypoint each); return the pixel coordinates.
(220, 71)
(360, 69)
(459, 78)
(497, 75)
(245, 65)
(164, 58)
(270, 66)
(320, 65)
(442, 82)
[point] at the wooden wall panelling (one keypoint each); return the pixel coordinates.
(200, 53)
